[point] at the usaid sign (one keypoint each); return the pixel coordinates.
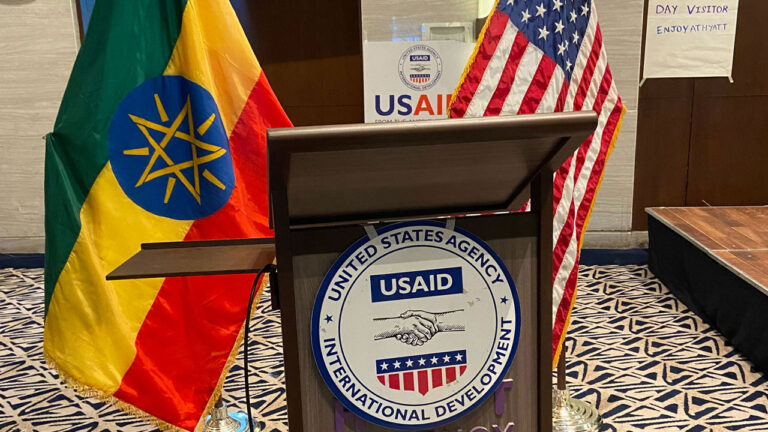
(406, 81)
(416, 326)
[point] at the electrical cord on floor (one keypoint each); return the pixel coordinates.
(254, 287)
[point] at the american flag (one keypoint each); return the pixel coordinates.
(538, 56)
(421, 372)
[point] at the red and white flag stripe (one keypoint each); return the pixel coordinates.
(511, 75)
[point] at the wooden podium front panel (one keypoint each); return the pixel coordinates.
(512, 237)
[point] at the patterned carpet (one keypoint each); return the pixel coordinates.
(634, 351)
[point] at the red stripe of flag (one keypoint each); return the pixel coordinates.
(570, 285)
(563, 96)
(563, 239)
(586, 203)
(602, 92)
(562, 172)
(598, 167)
(589, 70)
(559, 183)
(538, 86)
(581, 153)
(561, 317)
(488, 46)
(507, 75)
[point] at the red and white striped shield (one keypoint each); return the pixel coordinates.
(423, 372)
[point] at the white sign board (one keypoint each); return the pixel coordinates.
(406, 81)
(690, 38)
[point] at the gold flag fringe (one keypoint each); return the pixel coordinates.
(90, 392)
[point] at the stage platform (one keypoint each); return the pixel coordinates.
(715, 260)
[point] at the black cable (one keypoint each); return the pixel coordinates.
(266, 268)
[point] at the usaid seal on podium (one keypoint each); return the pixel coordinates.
(415, 325)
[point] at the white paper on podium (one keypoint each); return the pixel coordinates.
(690, 38)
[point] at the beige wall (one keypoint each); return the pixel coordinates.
(37, 49)
(621, 23)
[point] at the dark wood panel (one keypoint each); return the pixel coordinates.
(749, 61)
(301, 29)
(729, 151)
(667, 88)
(661, 157)
(311, 53)
(513, 238)
(704, 139)
(321, 86)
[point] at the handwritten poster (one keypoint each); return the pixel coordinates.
(690, 38)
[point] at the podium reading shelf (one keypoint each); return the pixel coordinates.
(326, 181)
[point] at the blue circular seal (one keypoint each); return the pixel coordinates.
(417, 326)
(420, 67)
(169, 150)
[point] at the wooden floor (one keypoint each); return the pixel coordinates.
(737, 237)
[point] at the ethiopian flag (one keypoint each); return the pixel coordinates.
(160, 137)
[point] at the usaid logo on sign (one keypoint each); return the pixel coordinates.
(420, 67)
(416, 326)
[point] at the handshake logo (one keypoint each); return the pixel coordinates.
(426, 371)
(417, 327)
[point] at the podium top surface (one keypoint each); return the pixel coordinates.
(359, 173)
(197, 258)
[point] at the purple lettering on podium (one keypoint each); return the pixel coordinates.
(499, 395)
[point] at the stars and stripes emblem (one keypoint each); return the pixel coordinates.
(422, 372)
(539, 56)
(419, 78)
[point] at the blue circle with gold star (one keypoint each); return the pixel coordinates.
(169, 150)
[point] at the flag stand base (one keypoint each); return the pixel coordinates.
(573, 415)
(568, 414)
(222, 421)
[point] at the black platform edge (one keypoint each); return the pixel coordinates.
(622, 257)
(22, 260)
(718, 296)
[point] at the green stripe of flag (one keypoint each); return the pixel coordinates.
(126, 43)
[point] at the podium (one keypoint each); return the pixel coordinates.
(330, 186)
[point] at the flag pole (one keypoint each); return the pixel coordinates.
(569, 414)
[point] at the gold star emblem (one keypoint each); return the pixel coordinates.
(173, 169)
